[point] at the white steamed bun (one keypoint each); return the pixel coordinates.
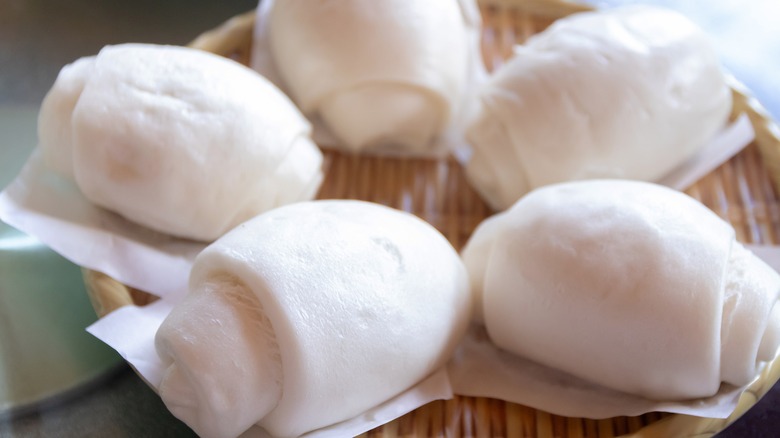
(627, 284)
(309, 315)
(630, 92)
(178, 140)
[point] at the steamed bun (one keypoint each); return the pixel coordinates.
(309, 315)
(631, 93)
(626, 284)
(382, 74)
(178, 140)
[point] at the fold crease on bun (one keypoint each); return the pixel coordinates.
(358, 303)
(630, 92)
(628, 285)
(384, 76)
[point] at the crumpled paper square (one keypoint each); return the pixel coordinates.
(481, 369)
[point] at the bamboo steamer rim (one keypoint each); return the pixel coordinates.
(233, 39)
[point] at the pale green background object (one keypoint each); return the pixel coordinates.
(45, 353)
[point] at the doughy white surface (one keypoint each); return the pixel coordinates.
(55, 130)
(628, 285)
(181, 141)
(382, 74)
(351, 304)
(624, 93)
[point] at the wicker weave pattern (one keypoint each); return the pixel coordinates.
(741, 191)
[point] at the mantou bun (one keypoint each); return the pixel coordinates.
(627, 284)
(309, 315)
(384, 75)
(178, 140)
(630, 92)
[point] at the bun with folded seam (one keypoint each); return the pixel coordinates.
(309, 315)
(626, 284)
(384, 75)
(630, 92)
(178, 140)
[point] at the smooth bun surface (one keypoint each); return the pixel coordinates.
(178, 140)
(629, 92)
(381, 74)
(629, 285)
(344, 304)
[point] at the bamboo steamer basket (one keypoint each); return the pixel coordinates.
(743, 191)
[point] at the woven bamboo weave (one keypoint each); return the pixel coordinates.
(742, 191)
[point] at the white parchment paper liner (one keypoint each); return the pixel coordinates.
(724, 145)
(480, 369)
(54, 210)
(452, 140)
(131, 330)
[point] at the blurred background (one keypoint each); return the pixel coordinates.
(38, 37)
(104, 397)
